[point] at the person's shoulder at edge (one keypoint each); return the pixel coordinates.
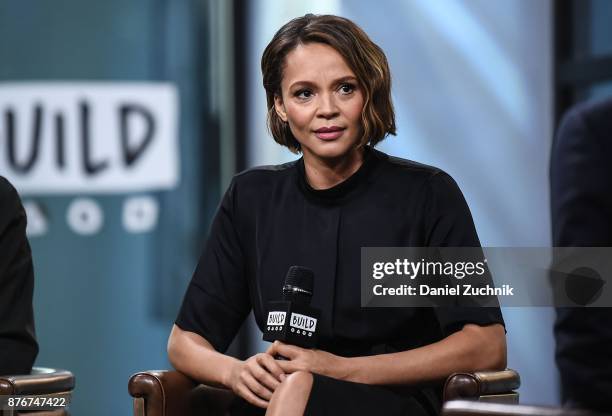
(594, 116)
(594, 107)
(8, 195)
(5, 187)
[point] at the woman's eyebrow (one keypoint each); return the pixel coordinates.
(345, 79)
(314, 84)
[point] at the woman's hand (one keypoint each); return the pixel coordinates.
(256, 378)
(311, 360)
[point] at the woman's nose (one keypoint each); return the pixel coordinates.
(327, 106)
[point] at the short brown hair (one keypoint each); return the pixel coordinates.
(363, 56)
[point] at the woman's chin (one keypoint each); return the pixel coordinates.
(331, 150)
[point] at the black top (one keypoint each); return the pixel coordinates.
(18, 346)
(271, 219)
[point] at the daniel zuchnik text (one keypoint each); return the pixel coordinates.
(425, 290)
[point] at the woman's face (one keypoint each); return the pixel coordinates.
(322, 102)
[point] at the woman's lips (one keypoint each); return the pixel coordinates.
(329, 134)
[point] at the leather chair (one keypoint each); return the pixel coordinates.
(472, 408)
(484, 386)
(49, 382)
(170, 393)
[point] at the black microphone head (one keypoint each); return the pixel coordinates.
(298, 285)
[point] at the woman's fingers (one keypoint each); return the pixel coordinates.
(261, 374)
(285, 350)
(249, 396)
(288, 367)
(271, 367)
(253, 381)
(256, 387)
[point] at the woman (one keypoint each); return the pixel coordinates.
(328, 91)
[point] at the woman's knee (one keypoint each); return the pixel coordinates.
(298, 382)
(291, 396)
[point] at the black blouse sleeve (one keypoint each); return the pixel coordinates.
(449, 223)
(217, 299)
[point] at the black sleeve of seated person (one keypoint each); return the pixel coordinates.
(217, 299)
(18, 346)
(450, 224)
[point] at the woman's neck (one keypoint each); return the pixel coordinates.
(327, 173)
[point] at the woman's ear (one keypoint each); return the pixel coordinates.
(279, 107)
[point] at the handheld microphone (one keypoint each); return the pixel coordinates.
(292, 320)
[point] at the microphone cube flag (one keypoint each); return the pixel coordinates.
(291, 323)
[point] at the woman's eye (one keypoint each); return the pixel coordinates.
(346, 88)
(303, 94)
